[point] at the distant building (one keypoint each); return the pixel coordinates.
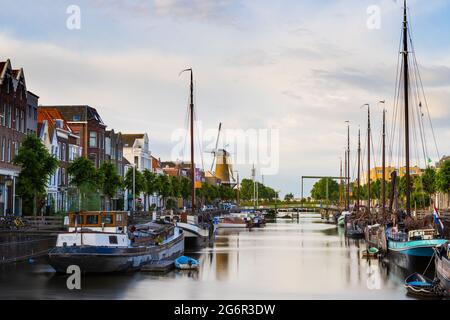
(31, 113)
(377, 173)
(114, 151)
(136, 150)
(114, 154)
(88, 125)
(13, 106)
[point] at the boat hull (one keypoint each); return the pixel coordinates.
(92, 259)
(442, 266)
(412, 255)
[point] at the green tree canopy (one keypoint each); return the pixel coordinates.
(109, 181)
(319, 190)
(37, 166)
(82, 172)
(139, 181)
(289, 197)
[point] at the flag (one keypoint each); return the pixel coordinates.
(438, 220)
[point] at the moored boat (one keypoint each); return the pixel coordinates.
(412, 250)
(234, 222)
(102, 242)
(419, 285)
(186, 263)
(442, 265)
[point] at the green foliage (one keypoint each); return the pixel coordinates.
(319, 190)
(175, 187)
(443, 177)
(149, 182)
(186, 188)
(108, 179)
(429, 178)
(37, 166)
(139, 181)
(82, 173)
(289, 197)
(264, 192)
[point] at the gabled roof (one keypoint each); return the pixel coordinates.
(51, 115)
(17, 75)
(77, 113)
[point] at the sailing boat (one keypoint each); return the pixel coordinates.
(199, 229)
(341, 220)
(409, 249)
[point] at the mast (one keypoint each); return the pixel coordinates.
(359, 170)
(348, 166)
(383, 165)
(345, 179)
(406, 94)
(368, 159)
(340, 186)
(191, 110)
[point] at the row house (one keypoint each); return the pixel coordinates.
(64, 144)
(13, 108)
(137, 152)
(87, 124)
(114, 154)
(114, 150)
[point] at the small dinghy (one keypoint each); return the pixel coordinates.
(419, 285)
(186, 263)
(370, 253)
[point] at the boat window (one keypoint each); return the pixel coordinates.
(92, 219)
(119, 217)
(108, 219)
(76, 220)
(112, 239)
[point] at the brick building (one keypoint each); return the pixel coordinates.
(88, 125)
(13, 106)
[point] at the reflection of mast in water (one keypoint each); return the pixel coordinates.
(222, 258)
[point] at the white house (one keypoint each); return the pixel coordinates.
(49, 137)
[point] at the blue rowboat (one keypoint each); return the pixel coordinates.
(419, 285)
(186, 263)
(412, 250)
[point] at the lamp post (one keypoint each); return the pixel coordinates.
(134, 187)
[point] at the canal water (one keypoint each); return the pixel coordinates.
(289, 259)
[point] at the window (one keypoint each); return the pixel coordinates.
(3, 148)
(76, 117)
(112, 239)
(17, 121)
(9, 151)
(8, 116)
(2, 114)
(93, 158)
(63, 157)
(59, 151)
(93, 139)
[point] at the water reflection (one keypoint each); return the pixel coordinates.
(289, 259)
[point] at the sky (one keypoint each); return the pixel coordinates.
(296, 70)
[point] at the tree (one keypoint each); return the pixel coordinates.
(150, 187)
(247, 189)
(443, 177)
(289, 197)
(108, 180)
(163, 187)
(319, 190)
(139, 182)
(429, 181)
(37, 166)
(83, 176)
(186, 188)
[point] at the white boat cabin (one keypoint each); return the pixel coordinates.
(105, 229)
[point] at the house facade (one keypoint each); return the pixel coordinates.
(31, 113)
(87, 124)
(114, 154)
(13, 106)
(65, 146)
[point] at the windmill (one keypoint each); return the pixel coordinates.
(221, 167)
